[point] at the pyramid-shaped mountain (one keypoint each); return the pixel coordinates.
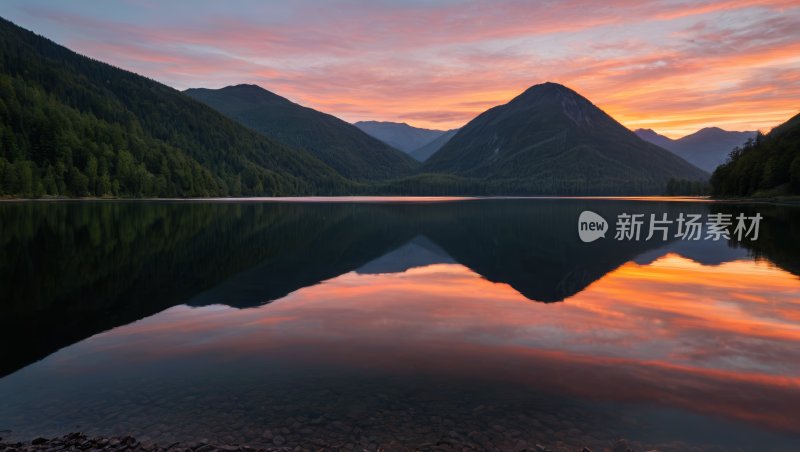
(552, 140)
(343, 146)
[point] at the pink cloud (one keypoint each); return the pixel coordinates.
(724, 63)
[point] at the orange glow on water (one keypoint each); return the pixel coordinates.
(675, 333)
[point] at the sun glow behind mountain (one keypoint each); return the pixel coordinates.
(671, 66)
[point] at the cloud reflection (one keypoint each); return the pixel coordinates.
(674, 333)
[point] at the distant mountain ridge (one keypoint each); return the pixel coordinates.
(345, 148)
(399, 134)
(551, 140)
(76, 127)
(424, 152)
(655, 138)
(706, 149)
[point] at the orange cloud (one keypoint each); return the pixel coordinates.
(671, 66)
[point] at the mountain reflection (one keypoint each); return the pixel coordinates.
(71, 270)
(419, 252)
(673, 334)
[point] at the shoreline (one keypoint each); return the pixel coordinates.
(78, 441)
(403, 199)
(275, 442)
(372, 198)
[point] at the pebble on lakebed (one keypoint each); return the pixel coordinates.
(78, 442)
(374, 415)
(226, 422)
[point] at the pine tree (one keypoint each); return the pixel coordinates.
(91, 174)
(25, 180)
(49, 182)
(11, 185)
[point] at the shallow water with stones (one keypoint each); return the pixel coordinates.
(398, 326)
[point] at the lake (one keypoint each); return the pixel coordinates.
(400, 324)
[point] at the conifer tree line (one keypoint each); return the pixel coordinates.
(72, 126)
(48, 148)
(769, 164)
(766, 165)
(683, 187)
(434, 184)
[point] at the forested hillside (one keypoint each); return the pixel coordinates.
(769, 164)
(73, 126)
(341, 145)
(550, 140)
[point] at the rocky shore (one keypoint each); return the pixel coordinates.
(78, 442)
(370, 417)
(334, 433)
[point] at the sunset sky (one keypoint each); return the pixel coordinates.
(673, 66)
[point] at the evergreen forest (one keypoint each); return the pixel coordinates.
(72, 126)
(766, 165)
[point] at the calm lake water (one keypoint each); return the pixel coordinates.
(388, 326)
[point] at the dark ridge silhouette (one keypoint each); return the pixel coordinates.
(706, 149)
(429, 149)
(351, 152)
(551, 140)
(399, 134)
(74, 126)
(768, 163)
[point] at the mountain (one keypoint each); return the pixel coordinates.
(768, 163)
(419, 252)
(706, 149)
(344, 147)
(653, 137)
(399, 134)
(426, 151)
(71, 125)
(551, 140)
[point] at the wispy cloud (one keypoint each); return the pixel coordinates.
(440, 116)
(669, 65)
